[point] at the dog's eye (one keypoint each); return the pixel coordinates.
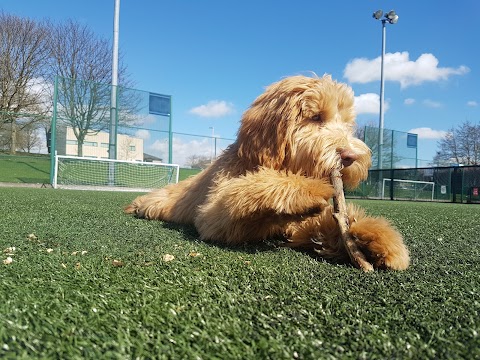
(317, 117)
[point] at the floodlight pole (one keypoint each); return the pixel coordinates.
(112, 147)
(391, 17)
(112, 135)
(382, 98)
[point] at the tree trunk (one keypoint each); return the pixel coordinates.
(80, 147)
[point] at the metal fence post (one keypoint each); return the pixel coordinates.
(392, 182)
(53, 132)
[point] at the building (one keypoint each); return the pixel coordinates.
(96, 145)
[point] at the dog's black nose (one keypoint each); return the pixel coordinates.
(348, 157)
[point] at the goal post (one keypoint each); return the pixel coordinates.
(409, 189)
(73, 172)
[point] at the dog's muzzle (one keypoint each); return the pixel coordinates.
(348, 157)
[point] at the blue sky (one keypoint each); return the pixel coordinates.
(215, 57)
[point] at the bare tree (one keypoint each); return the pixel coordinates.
(27, 134)
(29, 138)
(469, 143)
(460, 145)
(82, 61)
(23, 55)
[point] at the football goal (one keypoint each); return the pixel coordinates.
(408, 189)
(72, 172)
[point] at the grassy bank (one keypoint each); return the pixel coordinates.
(35, 169)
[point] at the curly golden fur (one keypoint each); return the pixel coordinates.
(273, 182)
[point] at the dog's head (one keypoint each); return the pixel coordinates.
(305, 125)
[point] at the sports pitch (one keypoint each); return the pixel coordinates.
(87, 281)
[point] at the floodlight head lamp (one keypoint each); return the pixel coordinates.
(378, 14)
(392, 17)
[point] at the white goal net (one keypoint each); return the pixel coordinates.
(408, 189)
(72, 172)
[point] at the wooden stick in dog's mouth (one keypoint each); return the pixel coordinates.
(340, 214)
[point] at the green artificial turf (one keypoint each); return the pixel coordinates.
(92, 283)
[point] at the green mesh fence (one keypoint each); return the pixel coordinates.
(204, 149)
(138, 127)
(445, 184)
(392, 148)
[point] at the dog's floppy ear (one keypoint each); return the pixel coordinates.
(264, 134)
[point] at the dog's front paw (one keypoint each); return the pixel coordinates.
(314, 197)
(319, 189)
(397, 261)
(381, 243)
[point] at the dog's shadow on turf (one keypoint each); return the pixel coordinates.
(191, 235)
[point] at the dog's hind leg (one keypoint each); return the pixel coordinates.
(176, 202)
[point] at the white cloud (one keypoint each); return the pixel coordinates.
(159, 148)
(182, 149)
(143, 134)
(432, 104)
(38, 85)
(428, 133)
(409, 101)
(212, 109)
(369, 104)
(472, 103)
(41, 89)
(399, 67)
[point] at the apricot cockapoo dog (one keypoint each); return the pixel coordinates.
(273, 182)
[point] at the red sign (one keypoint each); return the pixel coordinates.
(475, 191)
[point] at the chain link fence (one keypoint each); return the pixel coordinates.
(392, 149)
(139, 128)
(93, 120)
(97, 120)
(444, 184)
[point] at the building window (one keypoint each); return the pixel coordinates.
(132, 148)
(72, 142)
(90, 143)
(105, 145)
